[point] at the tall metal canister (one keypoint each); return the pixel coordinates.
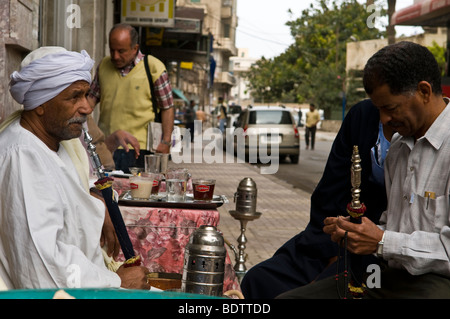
(204, 262)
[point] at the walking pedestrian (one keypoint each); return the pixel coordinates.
(189, 118)
(312, 119)
(222, 115)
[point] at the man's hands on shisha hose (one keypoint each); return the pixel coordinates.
(362, 239)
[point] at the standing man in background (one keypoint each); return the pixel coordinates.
(121, 86)
(300, 114)
(222, 115)
(312, 118)
(190, 117)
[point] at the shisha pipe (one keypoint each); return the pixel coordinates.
(356, 210)
(104, 184)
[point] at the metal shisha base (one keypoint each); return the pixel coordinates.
(243, 218)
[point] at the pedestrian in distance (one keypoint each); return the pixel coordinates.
(300, 114)
(189, 118)
(222, 115)
(312, 119)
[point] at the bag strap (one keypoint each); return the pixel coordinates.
(152, 90)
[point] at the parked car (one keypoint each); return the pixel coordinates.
(268, 126)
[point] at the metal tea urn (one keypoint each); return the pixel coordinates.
(204, 262)
(245, 198)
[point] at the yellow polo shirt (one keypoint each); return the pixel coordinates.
(312, 118)
(125, 101)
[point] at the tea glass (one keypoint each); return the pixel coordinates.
(176, 180)
(141, 187)
(152, 163)
(203, 189)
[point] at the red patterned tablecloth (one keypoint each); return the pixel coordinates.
(160, 235)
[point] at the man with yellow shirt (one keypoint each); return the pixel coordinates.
(121, 86)
(312, 118)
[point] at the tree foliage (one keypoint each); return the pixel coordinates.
(312, 69)
(439, 54)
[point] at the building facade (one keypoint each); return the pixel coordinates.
(241, 64)
(16, 40)
(196, 48)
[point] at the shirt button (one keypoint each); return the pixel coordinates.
(411, 168)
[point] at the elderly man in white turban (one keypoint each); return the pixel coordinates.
(49, 223)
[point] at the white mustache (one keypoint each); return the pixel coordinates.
(78, 120)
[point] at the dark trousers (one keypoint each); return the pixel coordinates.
(293, 265)
(395, 284)
(123, 160)
(310, 132)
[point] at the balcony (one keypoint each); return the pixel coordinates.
(226, 78)
(226, 13)
(226, 45)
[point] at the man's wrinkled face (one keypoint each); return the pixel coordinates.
(65, 113)
(404, 113)
(121, 51)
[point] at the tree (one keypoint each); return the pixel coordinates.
(312, 69)
(439, 54)
(390, 29)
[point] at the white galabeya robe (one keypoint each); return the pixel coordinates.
(49, 223)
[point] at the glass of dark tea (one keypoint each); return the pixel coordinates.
(203, 189)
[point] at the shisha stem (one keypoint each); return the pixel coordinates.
(95, 158)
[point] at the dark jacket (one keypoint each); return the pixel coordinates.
(305, 257)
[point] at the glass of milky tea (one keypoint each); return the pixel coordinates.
(156, 178)
(141, 187)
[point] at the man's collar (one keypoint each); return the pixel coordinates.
(138, 58)
(437, 132)
(134, 62)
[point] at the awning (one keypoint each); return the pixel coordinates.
(433, 13)
(180, 95)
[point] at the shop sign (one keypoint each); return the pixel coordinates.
(149, 13)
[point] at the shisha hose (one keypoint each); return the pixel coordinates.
(104, 184)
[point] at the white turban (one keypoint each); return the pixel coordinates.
(46, 72)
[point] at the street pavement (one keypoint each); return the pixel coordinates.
(284, 209)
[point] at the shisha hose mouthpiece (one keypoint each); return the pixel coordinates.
(95, 158)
